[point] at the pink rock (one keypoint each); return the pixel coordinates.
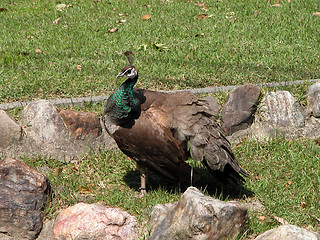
(94, 221)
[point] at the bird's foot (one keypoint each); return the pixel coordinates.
(143, 192)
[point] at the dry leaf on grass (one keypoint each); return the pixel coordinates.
(261, 218)
(316, 14)
(280, 220)
(288, 183)
(56, 21)
(61, 7)
(202, 16)
(113, 30)
(198, 35)
(303, 204)
(161, 46)
(276, 5)
(315, 217)
(83, 189)
(79, 67)
(121, 21)
(146, 17)
(202, 6)
(38, 51)
(256, 13)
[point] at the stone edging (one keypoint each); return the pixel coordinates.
(81, 100)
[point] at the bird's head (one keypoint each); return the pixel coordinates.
(128, 71)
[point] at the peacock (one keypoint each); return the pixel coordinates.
(161, 131)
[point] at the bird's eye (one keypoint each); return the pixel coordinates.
(131, 71)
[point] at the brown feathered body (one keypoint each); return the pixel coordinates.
(170, 128)
(161, 131)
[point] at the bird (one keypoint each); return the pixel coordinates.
(161, 131)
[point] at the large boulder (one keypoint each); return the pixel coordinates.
(10, 130)
(23, 195)
(94, 221)
(238, 111)
(288, 232)
(281, 109)
(196, 216)
(43, 122)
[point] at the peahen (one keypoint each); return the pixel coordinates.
(160, 131)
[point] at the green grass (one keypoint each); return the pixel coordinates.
(284, 174)
(242, 42)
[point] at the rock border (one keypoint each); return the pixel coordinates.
(81, 100)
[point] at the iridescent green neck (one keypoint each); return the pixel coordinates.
(123, 99)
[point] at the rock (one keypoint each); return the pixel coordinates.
(81, 124)
(47, 230)
(159, 212)
(43, 122)
(23, 195)
(254, 205)
(94, 221)
(46, 134)
(288, 232)
(281, 109)
(313, 99)
(238, 111)
(196, 216)
(6, 237)
(10, 130)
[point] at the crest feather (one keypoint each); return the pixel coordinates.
(130, 56)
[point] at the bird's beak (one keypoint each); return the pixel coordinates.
(120, 74)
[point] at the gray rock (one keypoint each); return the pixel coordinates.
(45, 133)
(254, 205)
(238, 111)
(23, 195)
(10, 130)
(281, 109)
(313, 99)
(160, 212)
(47, 230)
(94, 221)
(288, 232)
(6, 237)
(43, 122)
(196, 216)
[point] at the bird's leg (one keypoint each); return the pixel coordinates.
(143, 188)
(143, 179)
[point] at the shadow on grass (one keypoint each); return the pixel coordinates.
(208, 184)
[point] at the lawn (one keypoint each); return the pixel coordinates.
(46, 53)
(284, 179)
(184, 44)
